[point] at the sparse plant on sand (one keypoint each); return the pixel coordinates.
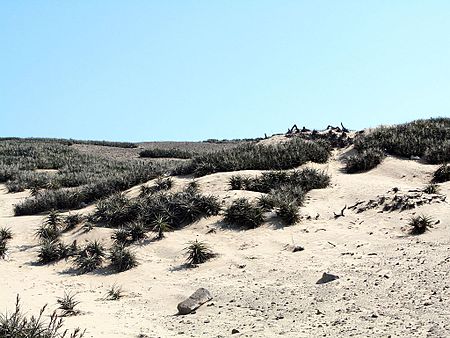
(71, 221)
(419, 224)
(115, 292)
(67, 304)
(17, 325)
(197, 253)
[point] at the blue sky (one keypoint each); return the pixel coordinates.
(193, 70)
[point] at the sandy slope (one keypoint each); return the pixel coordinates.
(390, 284)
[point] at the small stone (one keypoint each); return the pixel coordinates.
(197, 299)
(326, 278)
(234, 331)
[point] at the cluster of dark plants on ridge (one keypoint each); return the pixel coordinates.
(77, 179)
(286, 155)
(17, 325)
(160, 184)
(5, 236)
(87, 258)
(429, 139)
(177, 209)
(285, 193)
(69, 142)
(166, 153)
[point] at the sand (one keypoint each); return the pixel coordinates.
(391, 284)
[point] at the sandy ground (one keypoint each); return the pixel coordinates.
(390, 285)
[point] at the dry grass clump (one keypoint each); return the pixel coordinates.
(364, 160)
(18, 325)
(442, 174)
(286, 155)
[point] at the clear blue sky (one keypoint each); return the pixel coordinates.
(192, 70)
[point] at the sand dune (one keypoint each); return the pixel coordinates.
(390, 284)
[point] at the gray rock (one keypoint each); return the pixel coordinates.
(234, 331)
(327, 277)
(198, 298)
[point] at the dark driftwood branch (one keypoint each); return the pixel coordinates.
(345, 130)
(341, 214)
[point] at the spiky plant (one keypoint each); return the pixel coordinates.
(420, 224)
(67, 304)
(5, 234)
(136, 230)
(160, 226)
(266, 202)
(3, 249)
(49, 251)
(88, 226)
(115, 292)
(163, 184)
(47, 232)
(121, 236)
(54, 220)
(91, 257)
(197, 252)
(122, 258)
(431, 189)
(71, 221)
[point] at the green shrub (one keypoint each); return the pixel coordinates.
(5, 234)
(442, 174)
(364, 160)
(288, 212)
(243, 214)
(122, 258)
(71, 221)
(197, 253)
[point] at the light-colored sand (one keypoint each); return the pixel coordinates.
(390, 283)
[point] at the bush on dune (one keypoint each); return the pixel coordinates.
(363, 161)
(287, 155)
